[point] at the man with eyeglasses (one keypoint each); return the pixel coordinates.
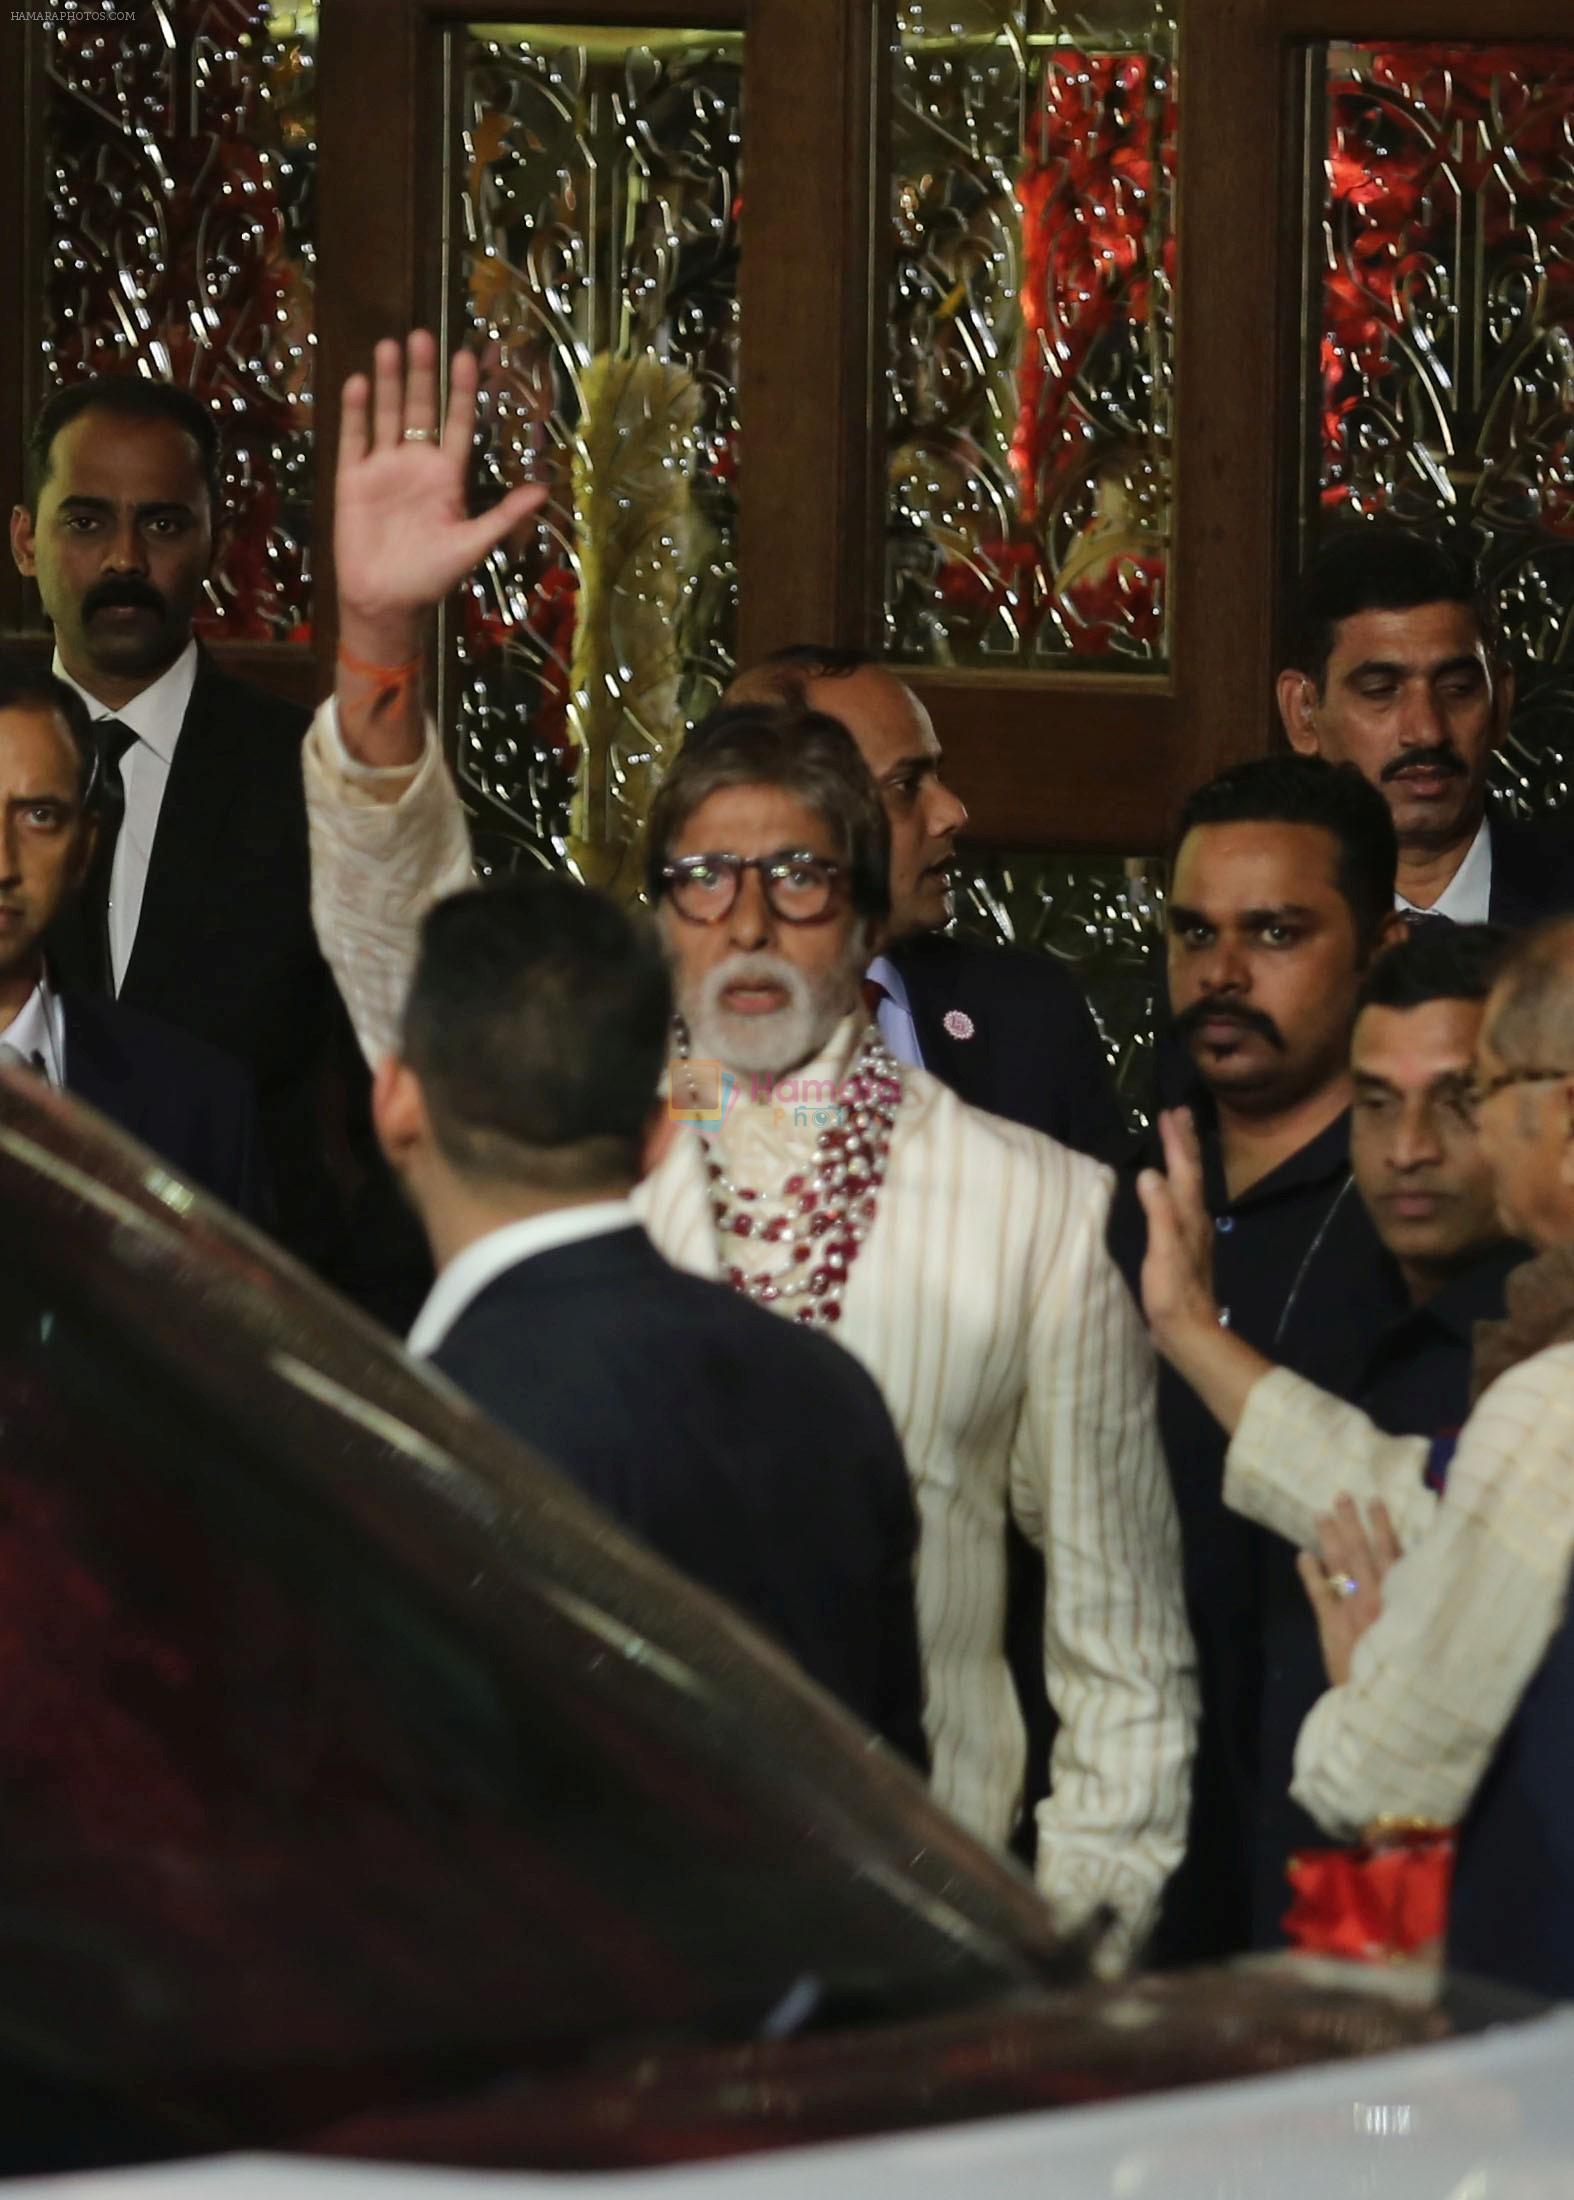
(958, 1256)
(1424, 1178)
(1453, 1687)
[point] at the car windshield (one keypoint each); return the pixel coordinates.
(346, 1755)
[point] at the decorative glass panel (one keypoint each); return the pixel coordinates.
(180, 153)
(1031, 377)
(1104, 920)
(1445, 299)
(600, 242)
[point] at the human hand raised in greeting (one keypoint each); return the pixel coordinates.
(402, 537)
(1177, 1269)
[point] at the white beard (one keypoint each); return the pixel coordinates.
(774, 1044)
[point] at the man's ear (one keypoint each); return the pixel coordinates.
(1297, 698)
(1390, 933)
(399, 1114)
(22, 540)
(223, 535)
(1503, 692)
(87, 841)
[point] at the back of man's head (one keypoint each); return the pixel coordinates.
(1378, 567)
(125, 397)
(1303, 790)
(1532, 1019)
(1437, 961)
(28, 684)
(537, 1025)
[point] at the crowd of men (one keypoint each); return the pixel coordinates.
(1172, 1510)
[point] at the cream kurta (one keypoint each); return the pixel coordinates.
(1015, 1367)
(1468, 1611)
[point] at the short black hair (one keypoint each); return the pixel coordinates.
(1303, 790)
(804, 753)
(1437, 961)
(129, 397)
(819, 660)
(1379, 567)
(29, 684)
(537, 1023)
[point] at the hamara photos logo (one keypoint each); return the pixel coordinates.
(704, 1092)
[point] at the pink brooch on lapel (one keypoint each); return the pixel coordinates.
(957, 1024)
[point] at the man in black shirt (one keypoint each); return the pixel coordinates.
(1281, 896)
(1423, 1177)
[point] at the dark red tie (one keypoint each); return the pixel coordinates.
(874, 993)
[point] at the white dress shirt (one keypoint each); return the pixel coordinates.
(155, 717)
(1467, 898)
(1009, 1352)
(895, 1015)
(467, 1275)
(38, 1032)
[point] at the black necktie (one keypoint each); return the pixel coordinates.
(113, 741)
(1419, 919)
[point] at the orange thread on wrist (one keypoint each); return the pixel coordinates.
(390, 681)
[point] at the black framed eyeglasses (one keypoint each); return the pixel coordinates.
(1479, 1091)
(799, 888)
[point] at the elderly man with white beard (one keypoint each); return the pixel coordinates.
(959, 1256)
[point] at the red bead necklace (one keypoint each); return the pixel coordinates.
(823, 1212)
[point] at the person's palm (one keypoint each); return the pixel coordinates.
(402, 536)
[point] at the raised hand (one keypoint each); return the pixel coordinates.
(1177, 1270)
(402, 537)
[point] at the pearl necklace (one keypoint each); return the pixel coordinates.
(822, 1213)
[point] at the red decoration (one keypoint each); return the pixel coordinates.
(1374, 1904)
(1098, 151)
(1419, 128)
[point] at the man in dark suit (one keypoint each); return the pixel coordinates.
(757, 1457)
(196, 905)
(1396, 666)
(1005, 1029)
(190, 1103)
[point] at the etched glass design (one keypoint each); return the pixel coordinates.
(1031, 371)
(1104, 919)
(180, 159)
(1442, 289)
(600, 257)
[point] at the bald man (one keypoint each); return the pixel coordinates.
(1453, 1663)
(1007, 1030)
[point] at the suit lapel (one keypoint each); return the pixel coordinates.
(953, 1035)
(186, 868)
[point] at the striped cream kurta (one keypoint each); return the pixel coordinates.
(1012, 1359)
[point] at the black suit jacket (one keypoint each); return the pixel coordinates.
(225, 951)
(1028, 1050)
(1532, 873)
(753, 1455)
(194, 1106)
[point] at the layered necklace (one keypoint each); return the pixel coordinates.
(823, 1212)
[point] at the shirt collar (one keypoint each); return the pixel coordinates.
(1468, 895)
(482, 1262)
(884, 972)
(1319, 1161)
(158, 713)
(1474, 1295)
(37, 1030)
